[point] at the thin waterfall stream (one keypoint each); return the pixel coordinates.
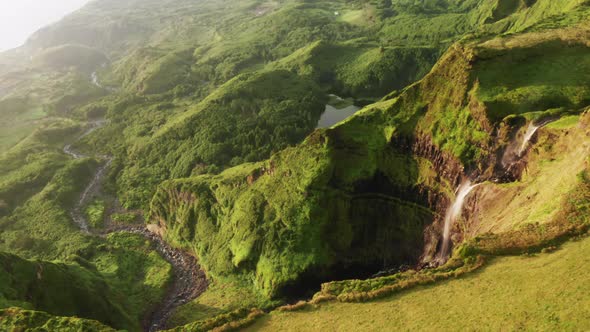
(530, 132)
(512, 155)
(452, 215)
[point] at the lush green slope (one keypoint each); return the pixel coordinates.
(16, 319)
(544, 292)
(360, 69)
(31, 100)
(313, 202)
(197, 87)
(63, 290)
(116, 280)
(244, 120)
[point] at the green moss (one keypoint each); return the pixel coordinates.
(223, 295)
(95, 213)
(360, 69)
(225, 322)
(322, 203)
(245, 120)
(565, 122)
(534, 79)
(218, 86)
(61, 289)
(116, 283)
(132, 268)
(16, 319)
(124, 218)
(482, 300)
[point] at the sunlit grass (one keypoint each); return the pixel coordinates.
(546, 292)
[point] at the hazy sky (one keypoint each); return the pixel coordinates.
(20, 18)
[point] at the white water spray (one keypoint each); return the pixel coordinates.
(453, 213)
(531, 130)
(94, 79)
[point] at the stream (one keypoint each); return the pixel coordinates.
(189, 280)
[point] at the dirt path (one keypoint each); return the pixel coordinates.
(189, 281)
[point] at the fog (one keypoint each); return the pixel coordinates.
(20, 18)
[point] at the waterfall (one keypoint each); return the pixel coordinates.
(94, 79)
(511, 158)
(517, 148)
(453, 213)
(531, 130)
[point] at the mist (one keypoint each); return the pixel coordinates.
(21, 18)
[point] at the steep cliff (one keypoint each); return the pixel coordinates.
(358, 196)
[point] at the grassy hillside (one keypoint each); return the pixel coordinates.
(116, 280)
(245, 120)
(31, 100)
(63, 290)
(211, 109)
(316, 198)
(541, 292)
(25, 320)
(82, 58)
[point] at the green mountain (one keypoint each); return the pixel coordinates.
(141, 137)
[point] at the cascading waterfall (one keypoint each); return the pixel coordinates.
(94, 79)
(511, 156)
(453, 213)
(516, 150)
(530, 132)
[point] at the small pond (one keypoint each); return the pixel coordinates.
(342, 109)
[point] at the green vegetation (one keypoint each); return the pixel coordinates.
(95, 213)
(80, 57)
(540, 292)
(124, 218)
(244, 120)
(226, 322)
(360, 69)
(131, 266)
(547, 87)
(36, 98)
(222, 296)
(16, 319)
(211, 109)
(63, 290)
(340, 178)
(565, 122)
(115, 282)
